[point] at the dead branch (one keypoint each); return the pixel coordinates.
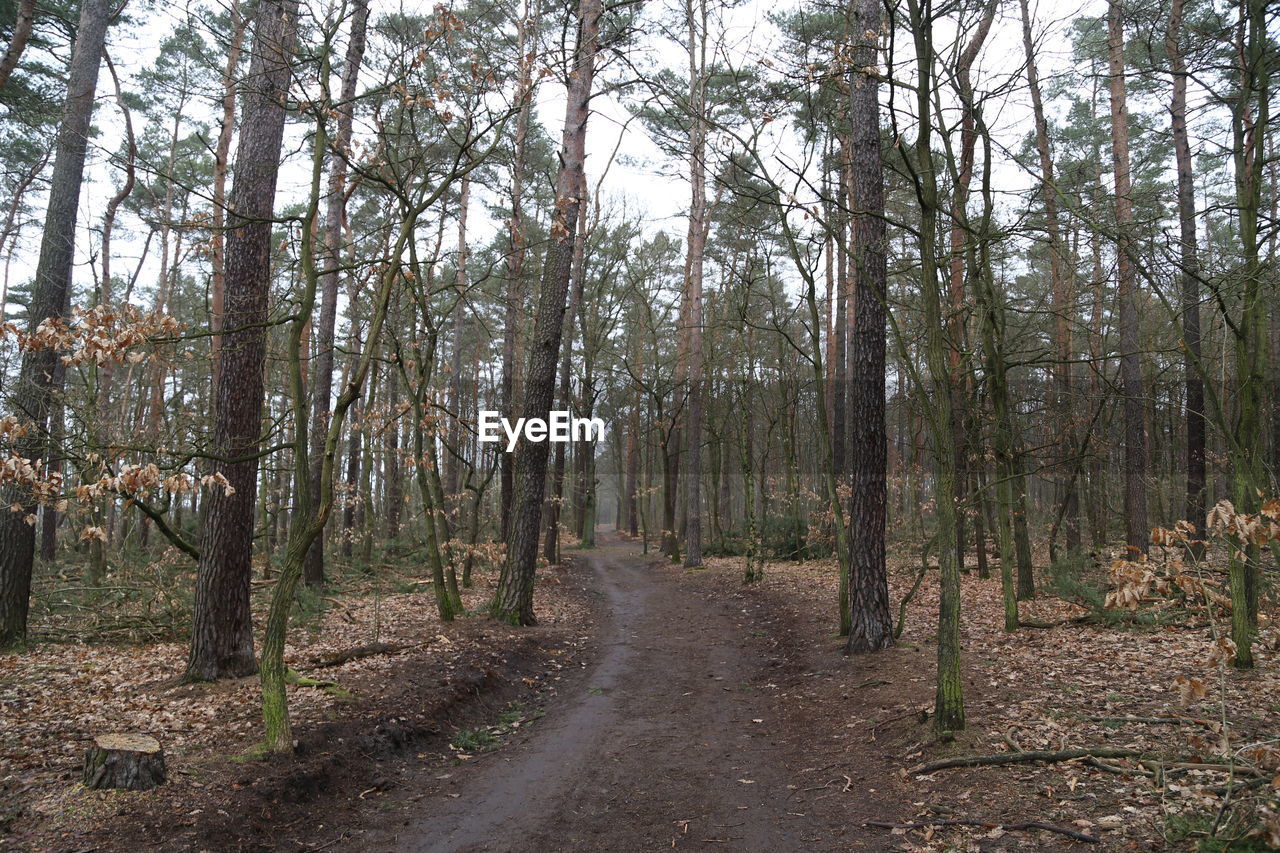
(367, 650)
(1023, 757)
(989, 824)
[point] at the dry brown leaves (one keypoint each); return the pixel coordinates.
(54, 697)
(1161, 690)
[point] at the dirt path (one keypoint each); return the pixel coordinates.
(681, 734)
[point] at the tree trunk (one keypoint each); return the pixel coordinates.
(34, 389)
(1135, 438)
(1062, 305)
(577, 267)
(25, 20)
(870, 625)
(392, 469)
(335, 213)
(351, 483)
(221, 161)
(696, 15)
(949, 701)
(221, 635)
(515, 295)
(454, 451)
(1189, 263)
(1250, 119)
(514, 600)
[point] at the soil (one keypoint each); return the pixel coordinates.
(689, 729)
(688, 711)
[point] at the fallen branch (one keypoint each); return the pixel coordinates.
(1239, 769)
(1117, 769)
(914, 712)
(1023, 757)
(988, 824)
(368, 650)
(1031, 622)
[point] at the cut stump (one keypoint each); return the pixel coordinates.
(130, 761)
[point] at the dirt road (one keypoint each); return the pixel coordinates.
(679, 735)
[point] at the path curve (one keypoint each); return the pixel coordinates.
(672, 739)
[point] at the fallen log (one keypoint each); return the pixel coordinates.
(131, 762)
(367, 650)
(1023, 757)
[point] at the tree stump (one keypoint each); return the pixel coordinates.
(129, 761)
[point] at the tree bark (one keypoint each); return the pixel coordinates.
(514, 599)
(555, 502)
(1135, 438)
(221, 635)
(516, 251)
(335, 213)
(870, 621)
(221, 161)
(26, 17)
(696, 14)
(34, 389)
(124, 762)
(1189, 275)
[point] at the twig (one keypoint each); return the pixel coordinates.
(988, 824)
(886, 721)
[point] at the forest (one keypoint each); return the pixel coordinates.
(911, 370)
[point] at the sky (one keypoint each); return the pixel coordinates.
(660, 195)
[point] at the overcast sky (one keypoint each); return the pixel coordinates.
(636, 175)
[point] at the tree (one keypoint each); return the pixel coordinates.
(335, 212)
(1061, 297)
(50, 298)
(1189, 269)
(513, 601)
(1135, 436)
(222, 633)
(696, 20)
(870, 623)
(23, 22)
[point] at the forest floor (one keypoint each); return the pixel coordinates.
(655, 707)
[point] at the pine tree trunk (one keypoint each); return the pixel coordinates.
(221, 635)
(24, 20)
(34, 389)
(221, 158)
(870, 622)
(351, 483)
(555, 503)
(1189, 262)
(1065, 440)
(696, 13)
(392, 469)
(515, 295)
(1135, 438)
(514, 600)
